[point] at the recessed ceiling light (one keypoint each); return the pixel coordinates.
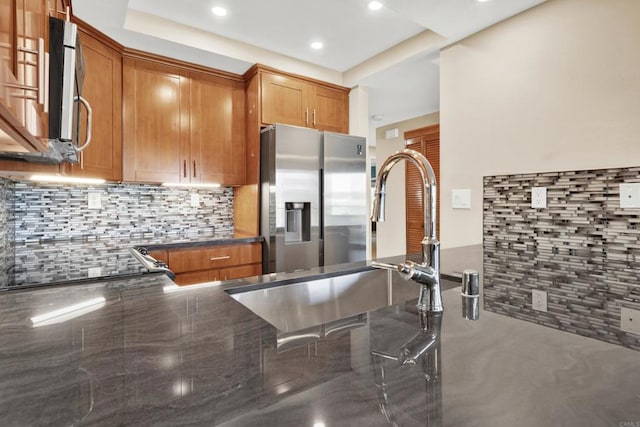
(316, 45)
(482, 1)
(374, 5)
(219, 11)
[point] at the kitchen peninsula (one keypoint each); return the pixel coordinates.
(150, 353)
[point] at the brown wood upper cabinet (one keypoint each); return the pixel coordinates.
(103, 89)
(181, 125)
(296, 101)
(24, 46)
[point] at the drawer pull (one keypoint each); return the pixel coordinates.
(217, 258)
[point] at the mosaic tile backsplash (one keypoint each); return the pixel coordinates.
(61, 212)
(583, 250)
(7, 253)
(51, 229)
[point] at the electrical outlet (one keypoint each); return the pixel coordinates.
(539, 197)
(195, 200)
(94, 272)
(630, 195)
(539, 300)
(630, 320)
(94, 200)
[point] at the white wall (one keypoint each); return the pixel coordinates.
(391, 234)
(555, 88)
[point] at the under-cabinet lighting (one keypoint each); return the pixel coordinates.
(66, 179)
(68, 313)
(176, 288)
(190, 185)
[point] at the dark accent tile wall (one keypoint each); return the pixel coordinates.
(135, 211)
(7, 254)
(583, 249)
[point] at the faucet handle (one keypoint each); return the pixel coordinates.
(384, 266)
(470, 295)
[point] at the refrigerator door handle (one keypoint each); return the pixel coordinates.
(321, 181)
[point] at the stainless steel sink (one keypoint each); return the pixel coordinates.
(306, 304)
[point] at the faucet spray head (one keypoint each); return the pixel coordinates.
(377, 214)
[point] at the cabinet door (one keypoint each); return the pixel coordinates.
(330, 109)
(32, 43)
(57, 8)
(23, 117)
(241, 271)
(156, 120)
(103, 89)
(195, 277)
(285, 100)
(7, 13)
(217, 137)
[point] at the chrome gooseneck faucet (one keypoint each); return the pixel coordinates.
(427, 274)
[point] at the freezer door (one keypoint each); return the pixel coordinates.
(345, 190)
(291, 197)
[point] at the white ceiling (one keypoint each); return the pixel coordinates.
(361, 47)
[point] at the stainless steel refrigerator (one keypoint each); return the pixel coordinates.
(313, 198)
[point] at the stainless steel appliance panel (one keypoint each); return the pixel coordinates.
(290, 210)
(345, 198)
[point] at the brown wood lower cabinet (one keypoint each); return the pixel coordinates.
(211, 263)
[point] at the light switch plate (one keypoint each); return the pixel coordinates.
(195, 200)
(461, 199)
(94, 200)
(539, 197)
(630, 195)
(630, 320)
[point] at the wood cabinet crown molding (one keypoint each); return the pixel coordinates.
(164, 60)
(97, 34)
(257, 68)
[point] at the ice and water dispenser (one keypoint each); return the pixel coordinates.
(297, 222)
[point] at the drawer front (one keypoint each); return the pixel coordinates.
(214, 257)
(223, 256)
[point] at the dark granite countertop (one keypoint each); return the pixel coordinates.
(140, 352)
(53, 262)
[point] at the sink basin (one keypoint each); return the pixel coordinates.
(306, 304)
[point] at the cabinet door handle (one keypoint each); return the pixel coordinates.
(194, 168)
(46, 82)
(306, 116)
(41, 71)
(217, 258)
(184, 168)
(314, 117)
